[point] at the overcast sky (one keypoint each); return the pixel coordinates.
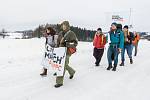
(91, 14)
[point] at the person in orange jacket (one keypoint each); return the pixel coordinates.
(136, 41)
(99, 45)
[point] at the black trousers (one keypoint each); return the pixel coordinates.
(136, 48)
(98, 53)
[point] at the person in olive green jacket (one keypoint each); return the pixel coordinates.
(66, 38)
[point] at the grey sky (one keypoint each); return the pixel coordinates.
(27, 14)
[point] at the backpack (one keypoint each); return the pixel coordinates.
(52, 43)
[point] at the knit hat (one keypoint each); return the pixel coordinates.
(114, 24)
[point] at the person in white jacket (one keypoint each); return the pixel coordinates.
(51, 40)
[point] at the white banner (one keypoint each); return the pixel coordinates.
(117, 18)
(55, 58)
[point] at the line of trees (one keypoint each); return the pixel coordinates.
(82, 33)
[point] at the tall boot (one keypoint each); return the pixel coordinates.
(44, 72)
(109, 67)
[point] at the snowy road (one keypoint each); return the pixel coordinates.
(20, 80)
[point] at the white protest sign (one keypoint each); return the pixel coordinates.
(55, 58)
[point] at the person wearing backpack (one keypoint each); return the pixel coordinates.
(116, 43)
(51, 40)
(68, 39)
(99, 42)
(128, 38)
(135, 42)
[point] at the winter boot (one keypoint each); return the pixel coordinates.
(131, 61)
(96, 65)
(122, 63)
(58, 85)
(44, 72)
(134, 54)
(71, 76)
(55, 74)
(109, 67)
(114, 69)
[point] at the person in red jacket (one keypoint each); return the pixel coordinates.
(99, 45)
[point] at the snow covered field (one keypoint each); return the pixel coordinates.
(20, 80)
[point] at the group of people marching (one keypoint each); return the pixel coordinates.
(119, 40)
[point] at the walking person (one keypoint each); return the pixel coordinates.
(128, 38)
(135, 42)
(99, 45)
(116, 43)
(51, 41)
(68, 39)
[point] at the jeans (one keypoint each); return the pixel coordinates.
(129, 49)
(114, 51)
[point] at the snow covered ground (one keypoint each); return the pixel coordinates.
(20, 80)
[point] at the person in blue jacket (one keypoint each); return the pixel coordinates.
(116, 44)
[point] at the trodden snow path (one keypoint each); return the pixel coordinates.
(20, 66)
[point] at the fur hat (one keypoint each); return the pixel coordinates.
(66, 23)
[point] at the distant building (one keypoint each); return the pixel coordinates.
(26, 34)
(14, 35)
